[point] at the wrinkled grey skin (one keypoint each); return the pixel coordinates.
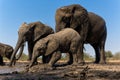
(67, 40)
(30, 33)
(90, 26)
(5, 51)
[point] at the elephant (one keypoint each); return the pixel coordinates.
(31, 33)
(5, 51)
(66, 40)
(90, 26)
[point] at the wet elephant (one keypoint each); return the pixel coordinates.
(67, 40)
(30, 33)
(90, 26)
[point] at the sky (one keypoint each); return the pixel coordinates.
(14, 12)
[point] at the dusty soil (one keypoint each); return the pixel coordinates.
(109, 71)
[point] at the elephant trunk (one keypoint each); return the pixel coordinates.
(20, 52)
(18, 45)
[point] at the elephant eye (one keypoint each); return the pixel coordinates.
(41, 50)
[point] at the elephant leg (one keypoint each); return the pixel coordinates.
(69, 58)
(77, 51)
(46, 59)
(97, 53)
(34, 58)
(80, 55)
(55, 57)
(1, 60)
(102, 53)
(30, 50)
(75, 59)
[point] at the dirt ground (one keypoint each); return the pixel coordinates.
(90, 71)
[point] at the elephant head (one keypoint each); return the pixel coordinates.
(47, 46)
(44, 47)
(72, 16)
(23, 35)
(30, 33)
(8, 52)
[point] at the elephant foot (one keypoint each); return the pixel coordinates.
(96, 62)
(74, 65)
(102, 62)
(69, 63)
(30, 65)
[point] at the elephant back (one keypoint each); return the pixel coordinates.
(41, 30)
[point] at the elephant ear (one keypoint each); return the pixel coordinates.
(80, 21)
(38, 30)
(52, 46)
(80, 16)
(2, 49)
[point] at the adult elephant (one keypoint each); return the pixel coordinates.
(90, 26)
(30, 33)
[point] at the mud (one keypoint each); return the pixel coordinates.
(109, 71)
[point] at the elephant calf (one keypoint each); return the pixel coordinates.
(67, 40)
(5, 51)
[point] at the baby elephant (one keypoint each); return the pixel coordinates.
(65, 41)
(5, 51)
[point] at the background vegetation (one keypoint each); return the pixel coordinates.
(87, 56)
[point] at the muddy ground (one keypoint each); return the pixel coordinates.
(109, 71)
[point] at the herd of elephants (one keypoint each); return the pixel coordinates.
(74, 27)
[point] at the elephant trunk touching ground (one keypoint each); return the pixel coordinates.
(20, 46)
(30, 33)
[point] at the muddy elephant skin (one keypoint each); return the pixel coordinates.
(30, 33)
(5, 51)
(90, 26)
(67, 40)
